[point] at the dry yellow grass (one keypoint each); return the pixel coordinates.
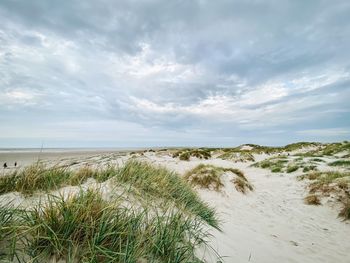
(312, 200)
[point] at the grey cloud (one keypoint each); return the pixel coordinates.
(87, 60)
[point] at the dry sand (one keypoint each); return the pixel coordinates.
(269, 224)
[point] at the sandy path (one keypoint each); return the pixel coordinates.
(272, 224)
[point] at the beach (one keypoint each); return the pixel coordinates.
(270, 223)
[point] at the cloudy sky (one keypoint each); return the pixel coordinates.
(173, 72)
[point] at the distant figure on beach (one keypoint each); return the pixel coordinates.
(15, 164)
(5, 165)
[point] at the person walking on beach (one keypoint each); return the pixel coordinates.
(5, 165)
(15, 164)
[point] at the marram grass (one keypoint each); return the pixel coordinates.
(87, 228)
(39, 177)
(209, 176)
(157, 182)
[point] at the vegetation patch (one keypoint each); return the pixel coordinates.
(292, 168)
(6, 232)
(310, 168)
(325, 183)
(185, 154)
(156, 182)
(38, 177)
(343, 163)
(242, 185)
(312, 199)
(345, 212)
(274, 164)
(237, 156)
(279, 164)
(164, 225)
(329, 149)
(87, 228)
(209, 176)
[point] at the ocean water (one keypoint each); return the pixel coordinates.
(67, 150)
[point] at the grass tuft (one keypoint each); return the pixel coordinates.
(324, 183)
(209, 176)
(345, 212)
(39, 177)
(344, 163)
(237, 156)
(292, 168)
(87, 228)
(185, 154)
(242, 185)
(312, 199)
(33, 178)
(158, 182)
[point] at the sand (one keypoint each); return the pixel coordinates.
(269, 224)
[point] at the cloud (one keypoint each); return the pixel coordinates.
(223, 69)
(332, 132)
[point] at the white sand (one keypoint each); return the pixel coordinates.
(270, 224)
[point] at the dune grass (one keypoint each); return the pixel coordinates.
(324, 183)
(329, 149)
(33, 178)
(345, 212)
(344, 163)
(237, 156)
(87, 228)
(209, 176)
(156, 182)
(152, 181)
(7, 247)
(242, 185)
(317, 160)
(309, 168)
(39, 177)
(274, 164)
(186, 154)
(312, 199)
(279, 164)
(292, 168)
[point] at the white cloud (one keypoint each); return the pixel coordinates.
(20, 97)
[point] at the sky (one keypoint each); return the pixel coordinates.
(146, 73)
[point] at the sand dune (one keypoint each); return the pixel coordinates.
(269, 224)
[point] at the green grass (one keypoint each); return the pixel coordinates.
(344, 163)
(325, 183)
(156, 182)
(237, 156)
(317, 160)
(329, 149)
(87, 228)
(324, 177)
(275, 164)
(33, 178)
(209, 176)
(310, 168)
(39, 177)
(185, 154)
(292, 168)
(7, 232)
(282, 164)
